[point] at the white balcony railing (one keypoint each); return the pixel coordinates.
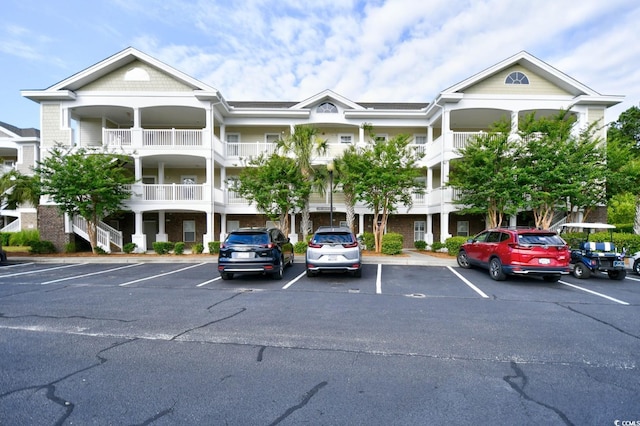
(244, 149)
(172, 137)
(116, 137)
(168, 192)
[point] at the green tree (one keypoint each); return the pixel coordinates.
(304, 144)
(485, 177)
(17, 189)
(276, 185)
(560, 170)
(346, 177)
(88, 183)
(388, 173)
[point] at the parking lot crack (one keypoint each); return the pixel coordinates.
(157, 416)
(2, 315)
(519, 382)
(50, 387)
(207, 324)
(305, 400)
(600, 321)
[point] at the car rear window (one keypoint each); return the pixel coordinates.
(248, 238)
(338, 237)
(540, 239)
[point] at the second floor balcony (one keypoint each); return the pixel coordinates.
(136, 139)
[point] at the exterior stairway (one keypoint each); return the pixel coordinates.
(108, 237)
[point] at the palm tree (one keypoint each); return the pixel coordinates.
(304, 143)
(17, 188)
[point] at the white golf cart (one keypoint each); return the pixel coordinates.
(592, 257)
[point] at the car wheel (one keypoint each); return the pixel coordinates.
(495, 270)
(226, 276)
(310, 273)
(357, 273)
(617, 275)
(581, 271)
(636, 266)
(551, 278)
(463, 260)
(290, 263)
(280, 272)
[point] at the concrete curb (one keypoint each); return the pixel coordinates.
(409, 258)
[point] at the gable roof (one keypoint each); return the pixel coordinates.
(18, 132)
(65, 88)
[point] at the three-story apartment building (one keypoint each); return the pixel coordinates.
(19, 151)
(185, 141)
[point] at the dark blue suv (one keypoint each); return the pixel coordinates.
(255, 250)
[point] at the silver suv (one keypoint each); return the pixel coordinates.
(334, 249)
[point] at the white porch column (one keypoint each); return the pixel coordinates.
(137, 164)
(223, 133)
(513, 221)
(429, 134)
(292, 231)
(223, 226)
(429, 179)
(360, 224)
(206, 238)
(161, 235)
(161, 173)
(361, 136)
(429, 233)
(514, 122)
(444, 227)
(139, 238)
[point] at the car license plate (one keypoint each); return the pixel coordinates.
(544, 261)
(247, 255)
(618, 263)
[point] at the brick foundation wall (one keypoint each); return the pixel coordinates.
(51, 227)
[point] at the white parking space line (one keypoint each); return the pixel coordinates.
(88, 275)
(161, 275)
(379, 279)
(293, 281)
(632, 278)
(208, 282)
(42, 270)
(17, 265)
(595, 293)
(467, 282)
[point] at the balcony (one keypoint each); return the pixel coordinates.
(137, 139)
(179, 196)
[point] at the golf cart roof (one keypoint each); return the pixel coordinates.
(588, 225)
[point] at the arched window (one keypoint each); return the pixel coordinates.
(516, 77)
(327, 107)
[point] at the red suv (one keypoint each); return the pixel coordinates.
(509, 251)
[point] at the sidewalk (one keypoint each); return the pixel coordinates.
(408, 257)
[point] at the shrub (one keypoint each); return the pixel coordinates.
(24, 238)
(392, 243)
(42, 247)
(420, 245)
(99, 250)
(129, 247)
(300, 247)
(369, 240)
(4, 238)
(214, 247)
(198, 248)
(70, 248)
(437, 246)
(453, 244)
(178, 248)
(162, 247)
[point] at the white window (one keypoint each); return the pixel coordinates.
(271, 137)
(419, 227)
(346, 138)
(381, 137)
(233, 144)
(420, 139)
(232, 225)
(343, 224)
(516, 77)
(463, 228)
(189, 231)
(327, 107)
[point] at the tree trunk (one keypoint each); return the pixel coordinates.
(305, 222)
(636, 220)
(351, 211)
(92, 231)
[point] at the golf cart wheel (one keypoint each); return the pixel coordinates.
(636, 266)
(581, 271)
(617, 275)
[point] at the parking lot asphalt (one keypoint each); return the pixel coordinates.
(416, 340)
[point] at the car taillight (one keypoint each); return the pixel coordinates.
(350, 245)
(519, 247)
(269, 246)
(314, 245)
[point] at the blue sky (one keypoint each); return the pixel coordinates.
(379, 50)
